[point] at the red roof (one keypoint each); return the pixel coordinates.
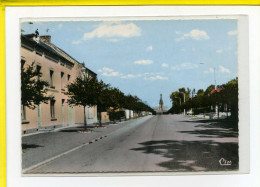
(215, 90)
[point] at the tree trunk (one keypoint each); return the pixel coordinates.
(99, 118)
(85, 121)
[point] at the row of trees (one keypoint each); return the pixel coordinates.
(225, 97)
(82, 92)
(92, 92)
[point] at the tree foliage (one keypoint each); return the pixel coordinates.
(91, 92)
(33, 88)
(205, 101)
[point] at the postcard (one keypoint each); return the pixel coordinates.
(132, 95)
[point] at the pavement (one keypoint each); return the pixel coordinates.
(39, 147)
(153, 143)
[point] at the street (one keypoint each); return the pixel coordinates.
(152, 143)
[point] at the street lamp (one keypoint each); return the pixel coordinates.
(183, 101)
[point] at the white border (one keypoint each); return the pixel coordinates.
(13, 87)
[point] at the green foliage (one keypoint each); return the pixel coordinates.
(92, 92)
(33, 88)
(205, 101)
(85, 91)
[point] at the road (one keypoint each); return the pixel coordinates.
(159, 143)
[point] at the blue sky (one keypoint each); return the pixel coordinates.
(149, 57)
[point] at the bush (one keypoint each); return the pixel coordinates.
(116, 115)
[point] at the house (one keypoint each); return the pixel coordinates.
(59, 69)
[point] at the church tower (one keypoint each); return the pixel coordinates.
(161, 104)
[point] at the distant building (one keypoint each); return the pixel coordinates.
(161, 103)
(160, 108)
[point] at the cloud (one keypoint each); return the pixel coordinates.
(107, 69)
(143, 62)
(130, 76)
(195, 35)
(219, 51)
(157, 77)
(114, 29)
(184, 66)
(231, 33)
(113, 40)
(108, 72)
(149, 48)
(210, 70)
(164, 65)
(60, 25)
(223, 69)
(76, 42)
(111, 74)
(153, 73)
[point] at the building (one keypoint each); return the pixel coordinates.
(59, 69)
(160, 108)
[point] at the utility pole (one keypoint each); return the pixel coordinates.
(183, 102)
(215, 78)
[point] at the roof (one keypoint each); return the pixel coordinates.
(216, 90)
(40, 44)
(53, 49)
(161, 101)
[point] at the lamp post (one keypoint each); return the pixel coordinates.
(183, 101)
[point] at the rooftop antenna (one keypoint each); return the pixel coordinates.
(37, 33)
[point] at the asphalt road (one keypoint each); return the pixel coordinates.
(160, 143)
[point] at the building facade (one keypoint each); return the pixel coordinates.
(59, 69)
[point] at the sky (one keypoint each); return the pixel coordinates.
(147, 58)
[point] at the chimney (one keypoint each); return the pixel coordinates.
(45, 39)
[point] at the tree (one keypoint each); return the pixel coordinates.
(33, 88)
(85, 91)
(229, 95)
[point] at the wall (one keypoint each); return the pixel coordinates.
(65, 115)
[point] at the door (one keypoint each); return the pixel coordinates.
(71, 115)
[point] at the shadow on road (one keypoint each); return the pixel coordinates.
(214, 133)
(192, 155)
(30, 146)
(76, 129)
(222, 123)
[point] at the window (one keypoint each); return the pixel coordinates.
(22, 63)
(68, 77)
(38, 68)
(51, 79)
(62, 101)
(61, 78)
(52, 108)
(23, 110)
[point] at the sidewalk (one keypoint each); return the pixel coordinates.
(37, 148)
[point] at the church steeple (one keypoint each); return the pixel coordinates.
(161, 103)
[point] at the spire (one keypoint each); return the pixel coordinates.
(161, 101)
